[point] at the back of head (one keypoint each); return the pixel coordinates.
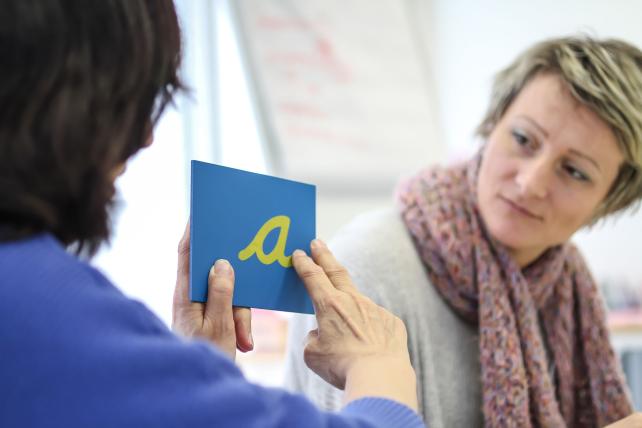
(81, 84)
(605, 76)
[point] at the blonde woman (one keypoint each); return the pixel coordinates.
(506, 326)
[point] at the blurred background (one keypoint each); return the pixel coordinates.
(349, 95)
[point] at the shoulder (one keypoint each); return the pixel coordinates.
(380, 228)
(49, 296)
(375, 244)
(382, 260)
(43, 283)
(38, 273)
(41, 265)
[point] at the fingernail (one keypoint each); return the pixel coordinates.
(222, 266)
(298, 253)
(251, 341)
(317, 243)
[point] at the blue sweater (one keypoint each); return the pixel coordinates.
(75, 352)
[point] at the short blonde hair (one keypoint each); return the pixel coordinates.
(604, 75)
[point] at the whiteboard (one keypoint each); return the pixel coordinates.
(342, 89)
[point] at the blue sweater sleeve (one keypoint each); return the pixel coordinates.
(77, 353)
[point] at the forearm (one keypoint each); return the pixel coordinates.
(388, 378)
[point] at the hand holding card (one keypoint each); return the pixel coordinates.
(216, 321)
(254, 221)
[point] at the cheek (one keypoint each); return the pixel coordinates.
(489, 184)
(484, 183)
(496, 172)
(574, 210)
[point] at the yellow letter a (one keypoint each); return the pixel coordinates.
(278, 253)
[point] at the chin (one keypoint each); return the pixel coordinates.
(510, 235)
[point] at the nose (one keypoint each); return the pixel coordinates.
(534, 178)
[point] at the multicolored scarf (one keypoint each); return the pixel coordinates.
(553, 299)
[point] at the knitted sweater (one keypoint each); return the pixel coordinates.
(380, 255)
(75, 352)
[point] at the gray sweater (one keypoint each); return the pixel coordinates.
(382, 260)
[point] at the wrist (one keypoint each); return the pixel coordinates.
(387, 377)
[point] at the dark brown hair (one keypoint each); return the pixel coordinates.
(81, 84)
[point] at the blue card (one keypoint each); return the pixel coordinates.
(255, 221)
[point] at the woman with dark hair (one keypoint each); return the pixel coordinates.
(82, 83)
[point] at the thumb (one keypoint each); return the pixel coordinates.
(220, 293)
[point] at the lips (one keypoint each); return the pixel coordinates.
(520, 209)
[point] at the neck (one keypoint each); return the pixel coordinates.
(525, 256)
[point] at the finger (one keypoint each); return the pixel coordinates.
(310, 337)
(310, 344)
(313, 277)
(181, 292)
(183, 244)
(220, 292)
(336, 273)
(243, 327)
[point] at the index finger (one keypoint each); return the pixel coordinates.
(335, 271)
(181, 292)
(313, 277)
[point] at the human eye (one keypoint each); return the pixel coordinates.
(521, 138)
(576, 174)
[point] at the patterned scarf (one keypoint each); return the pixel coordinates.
(556, 295)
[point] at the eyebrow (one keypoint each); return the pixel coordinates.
(588, 158)
(574, 151)
(535, 124)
